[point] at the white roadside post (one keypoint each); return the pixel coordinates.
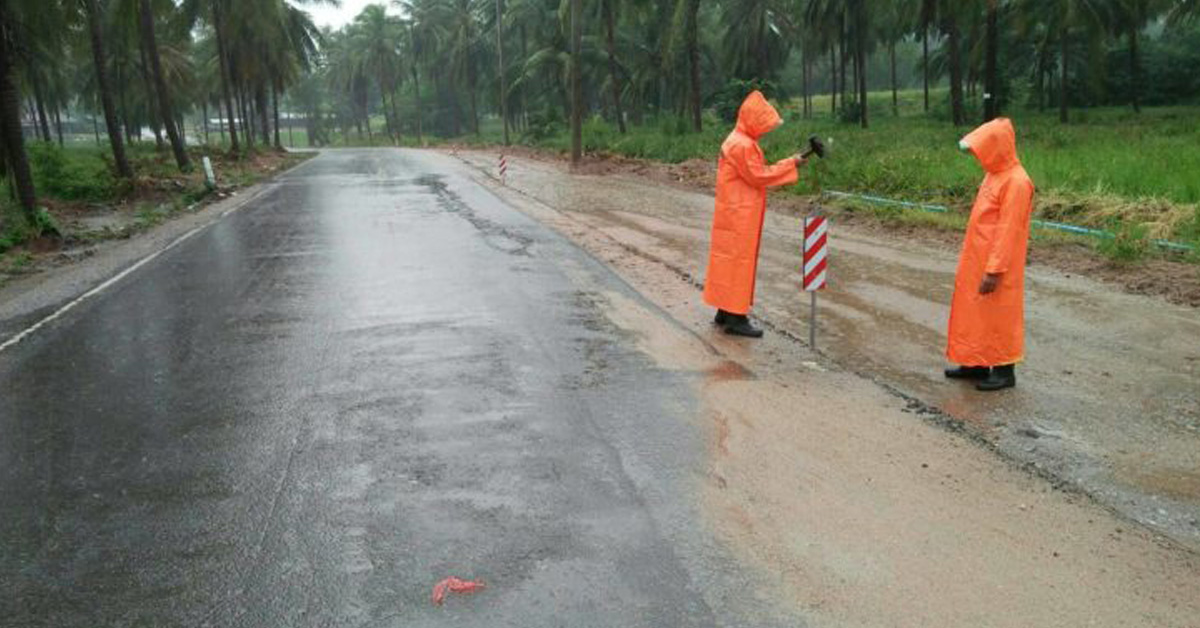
(503, 170)
(210, 179)
(816, 241)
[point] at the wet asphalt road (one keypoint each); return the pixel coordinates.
(373, 377)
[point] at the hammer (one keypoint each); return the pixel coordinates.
(815, 147)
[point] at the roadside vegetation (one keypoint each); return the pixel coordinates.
(1130, 174)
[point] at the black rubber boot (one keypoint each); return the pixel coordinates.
(740, 326)
(1000, 378)
(969, 372)
(722, 318)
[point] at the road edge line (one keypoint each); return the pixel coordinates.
(20, 336)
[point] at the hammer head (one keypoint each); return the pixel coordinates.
(815, 147)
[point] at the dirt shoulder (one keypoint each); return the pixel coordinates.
(1159, 275)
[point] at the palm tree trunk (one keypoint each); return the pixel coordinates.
(396, 117)
(275, 107)
(264, 120)
(925, 63)
(99, 59)
(12, 140)
(895, 87)
(1135, 69)
(472, 81)
(151, 108)
(40, 104)
(958, 113)
(862, 69)
(58, 126)
(223, 61)
(1041, 77)
(842, 36)
(693, 52)
(387, 111)
(991, 78)
(804, 82)
(416, 74)
(833, 79)
(164, 95)
(1063, 113)
(125, 119)
(576, 83)
(611, 42)
(247, 117)
(204, 112)
(500, 71)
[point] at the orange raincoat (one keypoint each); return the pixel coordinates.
(989, 330)
(743, 177)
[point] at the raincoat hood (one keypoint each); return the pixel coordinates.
(757, 117)
(995, 145)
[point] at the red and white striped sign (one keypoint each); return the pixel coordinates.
(503, 167)
(816, 240)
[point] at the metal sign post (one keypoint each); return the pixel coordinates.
(816, 241)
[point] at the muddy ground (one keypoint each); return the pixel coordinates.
(1108, 403)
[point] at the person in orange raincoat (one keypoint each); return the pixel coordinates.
(743, 177)
(987, 317)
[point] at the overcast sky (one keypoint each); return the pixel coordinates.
(336, 18)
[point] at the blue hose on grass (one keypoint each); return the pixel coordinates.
(1041, 224)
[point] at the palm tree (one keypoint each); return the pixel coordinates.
(162, 91)
(608, 9)
(375, 37)
(1135, 15)
(948, 13)
(13, 159)
(690, 25)
(100, 60)
(1065, 19)
(754, 45)
(928, 17)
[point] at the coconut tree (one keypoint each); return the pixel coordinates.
(95, 24)
(162, 95)
(16, 19)
(375, 36)
(1068, 21)
(1133, 16)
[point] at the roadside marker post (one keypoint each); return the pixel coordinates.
(503, 170)
(210, 179)
(816, 241)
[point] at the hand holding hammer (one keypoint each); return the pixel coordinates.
(815, 147)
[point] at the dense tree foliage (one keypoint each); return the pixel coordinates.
(223, 68)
